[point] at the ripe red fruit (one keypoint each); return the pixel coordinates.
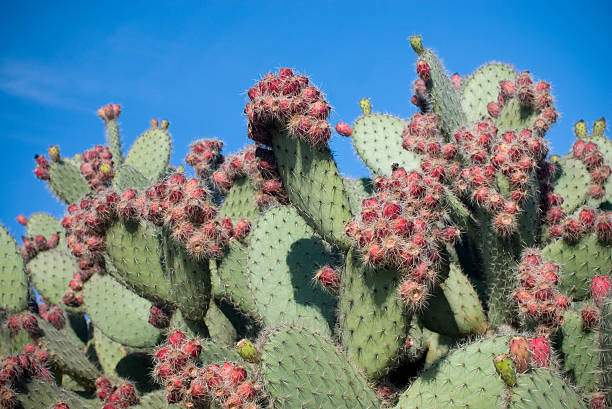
(176, 338)
(507, 89)
(61, 405)
(412, 293)
(192, 348)
(600, 289)
(328, 278)
(456, 80)
(555, 215)
(344, 129)
(21, 219)
(540, 350)
(391, 210)
(158, 317)
(423, 70)
(590, 316)
(493, 109)
(374, 254)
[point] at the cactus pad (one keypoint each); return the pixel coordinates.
(220, 328)
(13, 279)
(445, 97)
(113, 140)
(580, 262)
(128, 176)
(158, 269)
(542, 389)
(290, 359)
(314, 186)
(454, 309)
(129, 324)
(373, 323)
(283, 256)
(66, 181)
(572, 182)
(605, 344)
(46, 225)
(38, 394)
(466, 377)
(67, 354)
(378, 141)
(356, 191)
(514, 116)
(482, 87)
(150, 153)
(240, 202)
(51, 271)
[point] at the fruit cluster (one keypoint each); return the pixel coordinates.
(116, 396)
(591, 156)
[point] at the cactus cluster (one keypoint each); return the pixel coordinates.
(471, 269)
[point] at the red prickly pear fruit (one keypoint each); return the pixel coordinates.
(319, 110)
(456, 80)
(423, 70)
(234, 402)
(53, 241)
(272, 186)
(61, 405)
(603, 227)
(21, 219)
(520, 353)
(507, 89)
(242, 229)
(41, 161)
(95, 244)
(540, 350)
(451, 234)
(285, 73)
(391, 211)
(556, 230)
(412, 293)
(374, 254)
(554, 199)
(598, 401)
(30, 324)
(328, 278)
(14, 324)
(402, 227)
(555, 215)
(221, 179)
(246, 390)
(176, 338)
(127, 394)
(493, 109)
(600, 289)
(109, 112)
(158, 317)
(504, 224)
(590, 317)
(344, 129)
(237, 375)
(578, 149)
(41, 173)
(561, 301)
(192, 348)
(596, 191)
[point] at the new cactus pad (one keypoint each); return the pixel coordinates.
(469, 269)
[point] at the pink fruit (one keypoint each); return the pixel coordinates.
(344, 129)
(493, 109)
(540, 350)
(21, 219)
(590, 316)
(328, 278)
(600, 289)
(423, 70)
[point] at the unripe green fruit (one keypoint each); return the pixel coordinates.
(505, 368)
(365, 105)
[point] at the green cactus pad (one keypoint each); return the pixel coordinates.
(128, 176)
(110, 353)
(373, 322)
(12, 343)
(66, 181)
(445, 97)
(514, 116)
(302, 369)
(605, 345)
(67, 354)
(13, 279)
(356, 191)
(482, 87)
(580, 262)
(39, 394)
(580, 352)
(542, 389)
(128, 325)
(51, 271)
(314, 186)
(437, 346)
(284, 255)
(150, 153)
(158, 269)
(220, 328)
(157, 400)
(231, 280)
(572, 183)
(415, 342)
(240, 202)
(465, 378)
(454, 309)
(212, 352)
(46, 225)
(378, 141)
(529, 229)
(113, 140)
(192, 329)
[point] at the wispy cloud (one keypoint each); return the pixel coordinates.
(37, 82)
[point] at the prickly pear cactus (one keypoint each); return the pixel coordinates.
(470, 269)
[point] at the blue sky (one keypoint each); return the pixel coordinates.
(191, 62)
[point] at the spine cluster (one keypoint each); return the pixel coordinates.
(291, 102)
